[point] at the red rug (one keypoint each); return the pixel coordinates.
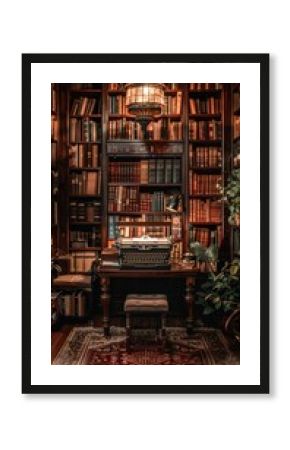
(88, 346)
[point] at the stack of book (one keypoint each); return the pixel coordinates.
(74, 304)
(206, 236)
(85, 211)
(81, 262)
(122, 199)
(83, 239)
(85, 106)
(84, 155)
(200, 184)
(84, 130)
(156, 171)
(124, 172)
(205, 130)
(205, 211)
(210, 105)
(86, 183)
(205, 157)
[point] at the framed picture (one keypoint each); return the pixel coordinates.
(145, 223)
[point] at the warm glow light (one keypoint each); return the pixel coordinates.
(145, 100)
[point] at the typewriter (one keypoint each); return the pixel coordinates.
(144, 253)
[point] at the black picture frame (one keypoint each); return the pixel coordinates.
(263, 61)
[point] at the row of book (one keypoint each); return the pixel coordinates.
(54, 128)
(122, 199)
(84, 130)
(164, 128)
(84, 155)
(117, 105)
(204, 86)
(160, 171)
(69, 304)
(85, 212)
(204, 184)
(206, 236)
(155, 201)
(210, 105)
(86, 183)
(124, 129)
(80, 239)
(236, 127)
(205, 211)
(146, 171)
(128, 226)
(124, 172)
(205, 130)
(85, 106)
(81, 262)
(205, 157)
(173, 104)
(236, 101)
(148, 230)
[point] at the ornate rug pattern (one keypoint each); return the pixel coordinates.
(88, 346)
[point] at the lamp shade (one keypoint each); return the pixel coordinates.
(145, 100)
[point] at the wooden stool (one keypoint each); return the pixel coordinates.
(145, 304)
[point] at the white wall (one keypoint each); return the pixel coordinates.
(154, 421)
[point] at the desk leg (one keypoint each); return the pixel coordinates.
(105, 300)
(189, 299)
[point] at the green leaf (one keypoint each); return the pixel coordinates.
(208, 310)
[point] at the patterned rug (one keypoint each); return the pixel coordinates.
(88, 346)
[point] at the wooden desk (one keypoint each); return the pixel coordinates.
(176, 271)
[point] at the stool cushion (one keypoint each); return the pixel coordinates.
(146, 302)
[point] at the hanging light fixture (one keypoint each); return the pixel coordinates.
(145, 101)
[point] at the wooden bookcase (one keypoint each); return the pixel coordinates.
(145, 171)
(206, 170)
(54, 168)
(193, 139)
(84, 174)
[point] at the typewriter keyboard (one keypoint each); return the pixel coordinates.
(145, 259)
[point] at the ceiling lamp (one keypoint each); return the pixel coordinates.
(145, 101)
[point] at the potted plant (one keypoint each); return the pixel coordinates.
(220, 295)
(231, 195)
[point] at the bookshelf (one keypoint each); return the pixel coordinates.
(115, 183)
(206, 163)
(84, 174)
(141, 175)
